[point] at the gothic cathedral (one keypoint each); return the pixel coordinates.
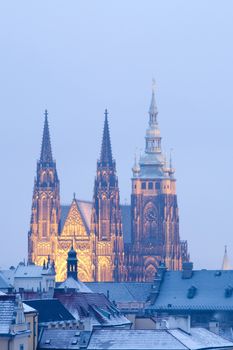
(113, 242)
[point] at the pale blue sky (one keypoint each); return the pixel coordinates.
(76, 58)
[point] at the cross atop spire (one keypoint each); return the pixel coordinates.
(46, 149)
(153, 111)
(106, 149)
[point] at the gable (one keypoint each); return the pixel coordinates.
(73, 224)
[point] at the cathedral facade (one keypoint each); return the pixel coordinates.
(113, 242)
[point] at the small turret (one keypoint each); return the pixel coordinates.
(136, 167)
(72, 264)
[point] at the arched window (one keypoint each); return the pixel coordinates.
(44, 215)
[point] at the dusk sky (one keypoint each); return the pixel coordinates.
(77, 58)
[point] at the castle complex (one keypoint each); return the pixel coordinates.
(113, 242)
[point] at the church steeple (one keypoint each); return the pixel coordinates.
(106, 149)
(153, 138)
(45, 216)
(153, 111)
(106, 220)
(46, 149)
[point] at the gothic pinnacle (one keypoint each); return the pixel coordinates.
(153, 111)
(106, 150)
(46, 149)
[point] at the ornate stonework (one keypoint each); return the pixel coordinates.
(108, 248)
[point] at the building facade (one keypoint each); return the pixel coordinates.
(113, 242)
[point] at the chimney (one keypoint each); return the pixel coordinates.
(187, 270)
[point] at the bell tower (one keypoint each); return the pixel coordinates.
(45, 214)
(154, 208)
(106, 223)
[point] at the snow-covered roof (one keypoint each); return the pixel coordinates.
(204, 290)
(156, 339)
(200, 338)
(69, 339)
(7, 308)
(32, 271)
(24, 271)
(28, 309)
(71, 283)
(92, 306)
(122, 291)
(4, 283)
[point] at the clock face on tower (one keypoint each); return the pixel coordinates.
(150, 214)
(150, 225)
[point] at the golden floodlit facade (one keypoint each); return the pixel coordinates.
(113, 242)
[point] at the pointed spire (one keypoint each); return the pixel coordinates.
(153, 111)
(153, 138)
(46, 150)
(226, 262)
(106, 150)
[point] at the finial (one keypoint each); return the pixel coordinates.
(153, 111)
(106, 150)
(46, 113)
(153, 85)
(225, 249)
(171, 149)
(135, 159)
(136, 167)
(74, 196)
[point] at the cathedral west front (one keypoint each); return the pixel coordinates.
(113, 242)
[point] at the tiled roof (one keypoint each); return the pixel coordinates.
(93, 305)
(200, 338)
(133, 339)
(7, 308)
(63, 339)
(205, 290)
(123, 291)
(156, 339)
(50, 310)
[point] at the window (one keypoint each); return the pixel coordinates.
(143, 185)
(157, 185)
(21, 347)
(150, 186)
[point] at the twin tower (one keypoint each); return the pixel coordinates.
(113, 242)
